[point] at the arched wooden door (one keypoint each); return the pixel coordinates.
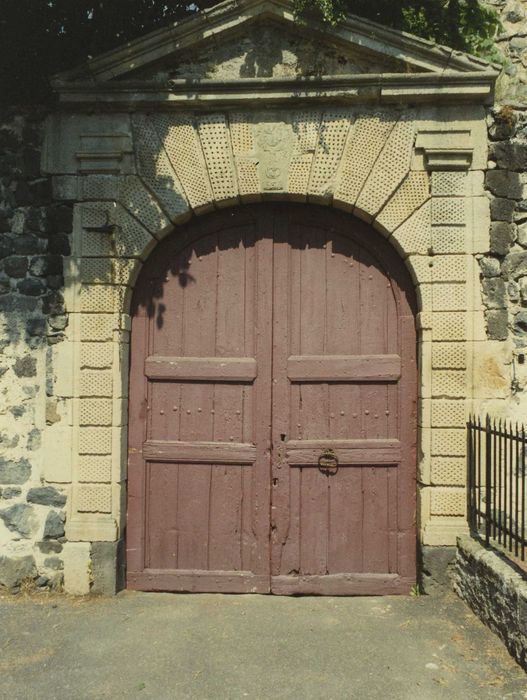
(273, 418)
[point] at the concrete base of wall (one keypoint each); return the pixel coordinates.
(435, 569)
(495, 591)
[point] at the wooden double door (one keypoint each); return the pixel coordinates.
(273, 408)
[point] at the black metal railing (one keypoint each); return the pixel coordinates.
(497, 499)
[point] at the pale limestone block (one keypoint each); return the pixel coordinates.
(100, 298)
(413, 237)
(156, 171)
(476, 326)
(96, 383)
(126, 271)
(390, 168)
(215, 142)
(410, 196)
(424, 412)
(443, 530)
(449, 471)
(65, 187)
(95, 441)
(424, 297)
(448, 413)
(475, 183)
(450, 383)
(248, 180)
(366, 142)
(94, 498)
(95, 412)
(449, 325)
(143, 206)
(242, 139)
(91, 527)
(449, 356)
(94, 468)
(180, 138)
(97, 327)
(119, 453)
(425, 364)
(449, 297)
(119, 505)
(334, 131)
(99, 187)
(449, 442)
(448, 501)
(298, 177)
(420, 267)
(120, 412)
(77, 564)
(57, 453)
(63, 368)
(448, 211)
(424, 320)
(448, 184)
(479, 224)
(96, 355)
(449, 239)
(492, 370)
(87, 242)
(451, 268)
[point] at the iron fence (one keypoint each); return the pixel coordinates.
(497, 466)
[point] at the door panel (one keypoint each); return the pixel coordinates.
(261, 338)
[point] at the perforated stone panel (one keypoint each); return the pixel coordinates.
(97, 327)
(449, 184)
(449, 383)
(449, 502)
(100, 298)
(366, 141)
(449, 356)
(306, 127)
(96, 383)
(448, 210)
(449, 442)
(183, 148)
(299, 172)
(241, 134)
(449, 297)
(139, 202)
(215, 142)
(448, 414)
(450, 268)
(131, 238)
(333, 132)
(412, 193)
(96, 270)
(248, 181)
(96, 355)
(94, 499)
(390, 168)
(449, 325)
(413, 236)
(448, 471)
(449, 239)
(95, 412)
(95, 468)
(95, 441)
(99, 187)
(155, 169)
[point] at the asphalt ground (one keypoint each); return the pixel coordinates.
(204, 647)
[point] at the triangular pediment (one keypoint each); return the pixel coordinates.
(261, 38)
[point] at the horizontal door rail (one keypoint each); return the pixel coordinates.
(348, 368)
(348, 452)
(207, 369)
(199, 452)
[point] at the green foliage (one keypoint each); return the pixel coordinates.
(467, 25)
(41, 37)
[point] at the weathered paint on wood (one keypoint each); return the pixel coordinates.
(261, 337)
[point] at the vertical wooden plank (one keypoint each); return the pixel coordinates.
(162, 532)
(375, 515)
(346, 521)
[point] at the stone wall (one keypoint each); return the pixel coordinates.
(495, 592)
(34, 237)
